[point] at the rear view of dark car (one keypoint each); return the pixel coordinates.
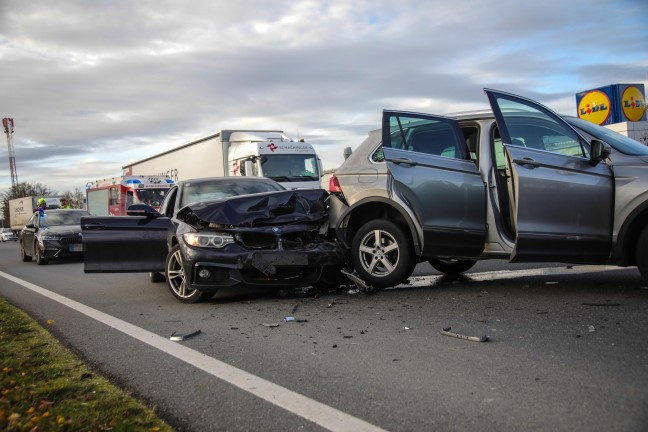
(219, 232)
(52, 234)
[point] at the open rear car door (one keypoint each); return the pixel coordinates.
(427, 159)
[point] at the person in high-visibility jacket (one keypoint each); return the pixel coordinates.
(41, 205)
(64, 203)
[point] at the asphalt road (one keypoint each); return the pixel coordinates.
(567, 349)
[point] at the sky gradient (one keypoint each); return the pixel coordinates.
(95, 85)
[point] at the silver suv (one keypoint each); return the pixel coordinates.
(521, 183)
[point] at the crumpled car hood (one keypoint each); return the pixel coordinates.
(271, 208)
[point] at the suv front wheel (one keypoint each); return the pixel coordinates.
(381, 254)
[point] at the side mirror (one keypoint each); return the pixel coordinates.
(142, 210)
(347, 152)
(599, 151)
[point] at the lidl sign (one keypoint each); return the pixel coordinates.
(612, 104)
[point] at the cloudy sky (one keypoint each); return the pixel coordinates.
(94, 85)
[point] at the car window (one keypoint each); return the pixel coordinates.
(435, 136)
(206, 190)
(169, 202)
(533, 127)
(62, 218)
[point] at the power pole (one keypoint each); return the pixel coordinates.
(8, 124)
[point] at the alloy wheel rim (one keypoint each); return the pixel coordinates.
(379, 253)
(176, 276)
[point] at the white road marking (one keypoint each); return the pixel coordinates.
(419, 281)
(316, 412)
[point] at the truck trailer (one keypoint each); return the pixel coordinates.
(259, 153)
(21, 209)
(112, 196)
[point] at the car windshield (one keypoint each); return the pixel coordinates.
(152, 197)
(290, 167)
(619, 142)
(207, 190)
(62, 218)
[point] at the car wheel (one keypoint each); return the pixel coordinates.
(177, 282)
(156, 277)
(382, 254)
(40, 259)
(23, 254)
(641, 254)
(451, 267)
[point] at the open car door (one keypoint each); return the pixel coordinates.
(431, 174)
(124, 244)
(561, 200)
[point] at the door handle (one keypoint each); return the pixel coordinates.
(404, 161)
(527, 161)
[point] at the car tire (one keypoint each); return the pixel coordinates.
(177, 282)
(641, 254)
(40, 259)
(156, 277)
(23, 254)
(382, 254)
(451, 267)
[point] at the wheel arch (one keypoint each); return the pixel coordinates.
(375, 208)
(624, 250)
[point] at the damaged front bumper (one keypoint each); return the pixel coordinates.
(209, 269)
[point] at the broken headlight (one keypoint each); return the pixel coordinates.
(215, 240)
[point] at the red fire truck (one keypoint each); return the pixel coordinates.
(112, 196)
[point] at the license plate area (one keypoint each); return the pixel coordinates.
(279, 259)
(76, 248)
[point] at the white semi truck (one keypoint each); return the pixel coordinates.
(259, 153)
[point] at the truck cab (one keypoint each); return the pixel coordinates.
(293, 164)
(521, 183)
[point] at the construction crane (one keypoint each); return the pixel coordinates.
(8, 124)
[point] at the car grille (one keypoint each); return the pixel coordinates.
(288, 241)
(66, 241)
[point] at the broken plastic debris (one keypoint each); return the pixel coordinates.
(289, 318)
(183, 337)
(591, 328)
(270, 325)
(446, 332)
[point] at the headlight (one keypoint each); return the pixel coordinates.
(216, 240)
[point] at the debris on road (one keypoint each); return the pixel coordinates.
(591, 328)
(183, 337)
(289, 318)
(362, 285)
(270, 325)
(446, 332)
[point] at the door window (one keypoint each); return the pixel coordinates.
(438, 136)
(536, 128)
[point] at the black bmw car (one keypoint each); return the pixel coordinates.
(52, 234)
(219, 232)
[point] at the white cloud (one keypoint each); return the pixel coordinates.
(94, 85)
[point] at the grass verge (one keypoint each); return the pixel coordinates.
(46, 387)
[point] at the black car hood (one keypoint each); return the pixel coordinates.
(271, 208)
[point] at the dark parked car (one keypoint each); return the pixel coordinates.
(519, 182)
(52, 234)
(218, 232)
